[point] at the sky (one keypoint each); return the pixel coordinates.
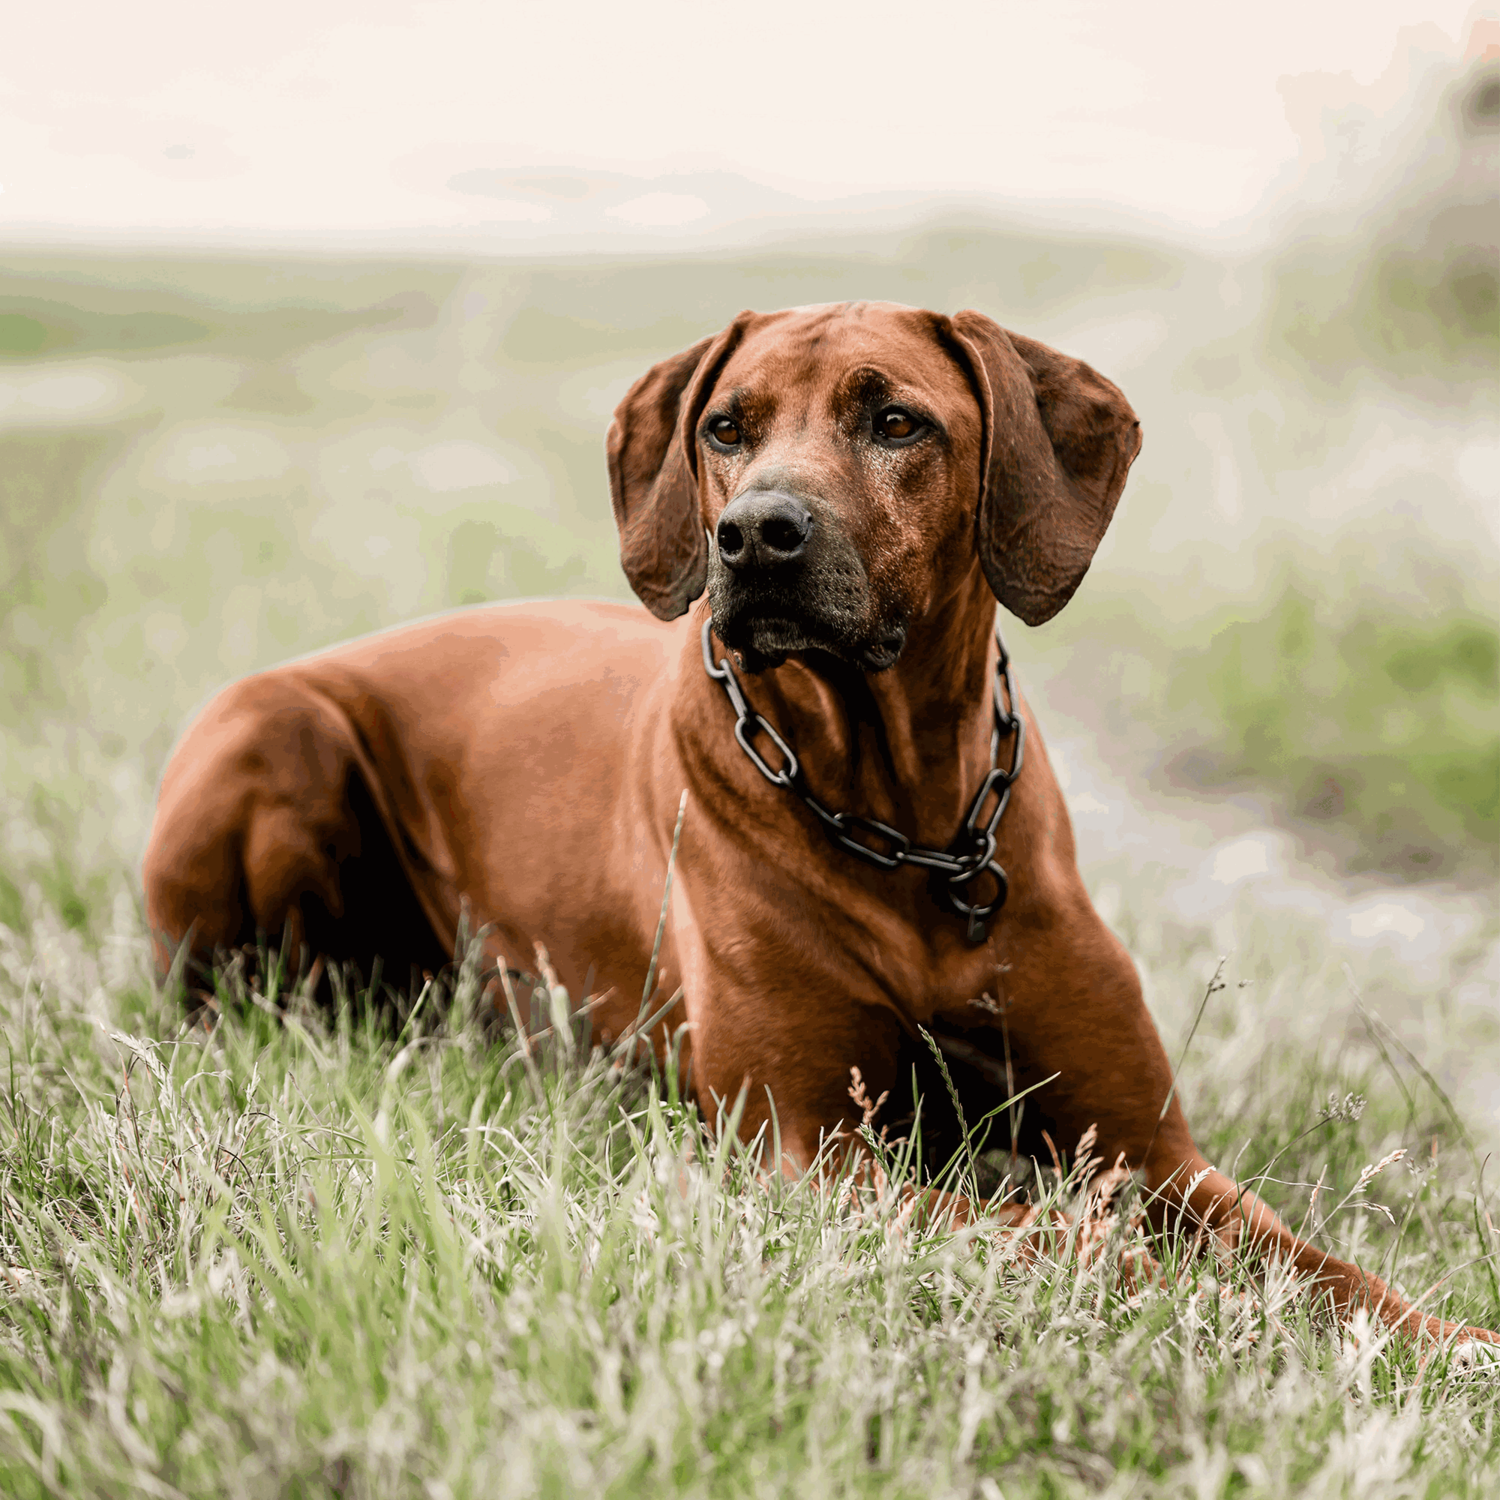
(398, 121)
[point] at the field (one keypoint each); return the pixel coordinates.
(309, 1255)
(336, 1253)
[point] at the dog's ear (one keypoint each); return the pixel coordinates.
(653, 474)
(1059, 440)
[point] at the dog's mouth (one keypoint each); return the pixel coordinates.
(820, 603)
(763, 636)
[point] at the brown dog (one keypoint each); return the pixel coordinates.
(855, 486)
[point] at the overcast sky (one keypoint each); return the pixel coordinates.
(344, 119)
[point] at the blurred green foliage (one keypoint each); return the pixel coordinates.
(31, 327)
(1414, 289)
(1381, 726)
(1396, 308)
(47, 317)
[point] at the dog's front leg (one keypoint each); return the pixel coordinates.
(1076, 1009)
(783, 1067)
(1185, 1184)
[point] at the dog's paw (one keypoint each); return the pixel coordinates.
(1472, 1360)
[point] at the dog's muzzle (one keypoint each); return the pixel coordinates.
(785, 578)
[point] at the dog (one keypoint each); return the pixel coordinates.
(869, 840)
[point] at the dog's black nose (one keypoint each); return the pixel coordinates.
(762, 529)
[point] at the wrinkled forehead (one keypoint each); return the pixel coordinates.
(851, 351)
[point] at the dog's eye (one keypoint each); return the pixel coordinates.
(722, 430)
(896, 424)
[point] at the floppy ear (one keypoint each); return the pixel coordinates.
(1059, 440)
(653, 475)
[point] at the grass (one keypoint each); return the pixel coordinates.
(1385, 726)
(1362, 703)
(318, 1254)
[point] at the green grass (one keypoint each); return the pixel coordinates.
(1387, 725)
(1364, 710)
(310, 1255)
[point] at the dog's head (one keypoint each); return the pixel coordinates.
(829, 473)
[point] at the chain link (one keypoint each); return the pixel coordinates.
(971, 855)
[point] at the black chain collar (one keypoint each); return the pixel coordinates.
(969, 857)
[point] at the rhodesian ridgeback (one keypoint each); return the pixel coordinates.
(873, 839)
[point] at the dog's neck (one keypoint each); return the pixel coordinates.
(909, 745)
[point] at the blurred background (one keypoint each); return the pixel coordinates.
(314, 324)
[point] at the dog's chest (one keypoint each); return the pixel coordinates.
(941, 976)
